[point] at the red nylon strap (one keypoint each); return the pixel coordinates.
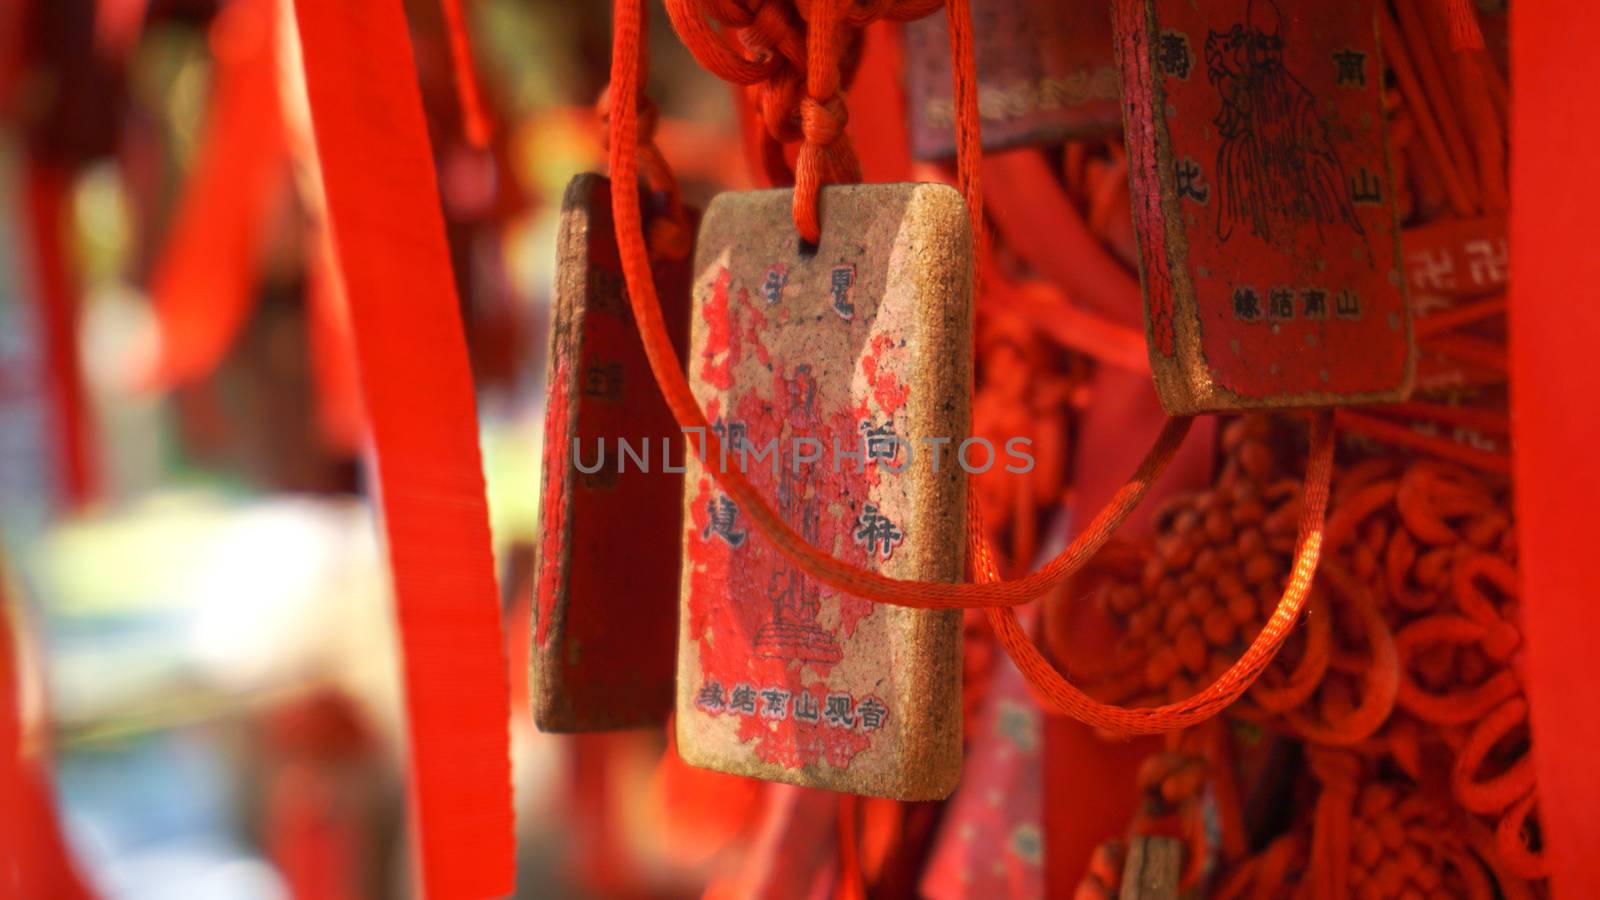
(383, 206)
(1554, 324)
(469, 93)
(205, 281)
(57, 324)
(34, 858)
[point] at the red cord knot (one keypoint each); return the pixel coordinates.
(732, 13)
(1512, 775)
(1103, 881)
(1339, 771)
(646, 121)
(774, 36)
(780, 100)
(823, 123)
(669, 233)
(649, 118)
(825, 157)
(1169, 779)
(670, 239)
(1518, 839)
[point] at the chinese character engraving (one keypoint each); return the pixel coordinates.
(777, 280)
(876, 532)
(723, 515)
(1435, 271)
(743, 700)
(608, 293)
(1352, 68)
(731, 434)
(1173, 54)
(805, 707)
(839, 711)
(881, 443)
(1347, 305)
(842, 280)
(1280, 303)
(603, 381)
(1366, 188)
(1191, 181)
(1486, 262)
(872, 713)
(1314, 303)
(711, 697)
(1246, 304)
(776, 705)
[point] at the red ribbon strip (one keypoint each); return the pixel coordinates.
(35, 860)
(383, 205)
(57, 324)
(1554, 324)
(204, 283)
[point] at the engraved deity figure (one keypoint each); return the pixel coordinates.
(794, 631)
(1276, 167)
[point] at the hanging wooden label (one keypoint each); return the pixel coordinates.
(1264, 203)
(605, 611)
(838, 376)
(1045, 73)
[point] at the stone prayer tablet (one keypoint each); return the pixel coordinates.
(838, 376)
(1045, 73)
(1264, 203)
(605, 613)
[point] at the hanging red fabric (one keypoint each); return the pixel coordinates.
(1554, 324)
(34, 858)
(205, 281)
(383, 206)
(57, 322)
(469, 93)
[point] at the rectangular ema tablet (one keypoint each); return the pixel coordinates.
(839, 378)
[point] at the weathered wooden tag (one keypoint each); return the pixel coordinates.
(1045, 73)
(1153, 868)
(839, 377)
(605, 611)
(1264, 203)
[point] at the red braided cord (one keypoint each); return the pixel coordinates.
(1063, 697)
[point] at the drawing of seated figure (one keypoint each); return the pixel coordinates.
(794, 632)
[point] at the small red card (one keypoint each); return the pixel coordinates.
(837, 379)
(1264, 203)
(1045, 72)
(606, 602)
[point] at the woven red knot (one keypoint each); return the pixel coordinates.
(1172, 803)
(1400, 841)
(1103, 880)
(1025, 389)
(1186, 792)
(1368, 837)
(671, 235)
(1212, 576)
(1434, 542)
(798, 58)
